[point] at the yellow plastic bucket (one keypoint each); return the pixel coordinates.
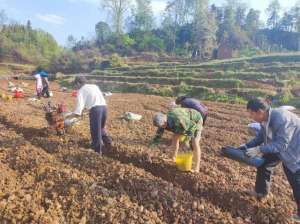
(184, 161)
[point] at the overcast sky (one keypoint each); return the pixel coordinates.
(78, 17)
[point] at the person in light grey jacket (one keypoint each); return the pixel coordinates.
(278, 140)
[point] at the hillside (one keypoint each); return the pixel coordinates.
(9, 69)
(223, 80)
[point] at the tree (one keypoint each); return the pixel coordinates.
(293, 17)
(179, 11)
(287, 22)
(273, 11)
(3, 19)
(103, 33)
(296, 11)
(240, 15)
(71, 41)
(28, 25)
(227, 27)
(252, 22)
(204, 30)
(117, 10)
(177, 14)
(142, 16)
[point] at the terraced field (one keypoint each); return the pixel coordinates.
(51, 179)
(259, 76)
(14, 69)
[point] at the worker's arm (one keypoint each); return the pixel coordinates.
(72, 115)
(79, 107)
(175, 145)
(156, 140)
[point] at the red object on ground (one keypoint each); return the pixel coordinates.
(74, 93)
(18, 94)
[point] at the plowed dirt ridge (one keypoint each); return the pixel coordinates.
(51, 179)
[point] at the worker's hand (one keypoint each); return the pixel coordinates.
(254, 152)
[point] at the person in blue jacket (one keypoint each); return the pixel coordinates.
(189, 102)
(278, 140)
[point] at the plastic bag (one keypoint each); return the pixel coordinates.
(132, 116)
(240, 156)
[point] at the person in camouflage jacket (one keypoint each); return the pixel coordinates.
(181, 121)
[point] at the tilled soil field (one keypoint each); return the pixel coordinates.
(50, 179)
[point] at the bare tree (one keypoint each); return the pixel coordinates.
(117, 10)
(204, 30)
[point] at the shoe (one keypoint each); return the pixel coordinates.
(107, 140)
(295, 218)
(258, 196)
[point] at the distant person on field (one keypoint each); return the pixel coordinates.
(45, 81)
(90, 97)
(38, 85)
(278, 140)
(181, 121)
(188, 102)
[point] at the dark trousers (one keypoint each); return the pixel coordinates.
(294, 180)
(264, 173)
(98, 115)
(45, 91)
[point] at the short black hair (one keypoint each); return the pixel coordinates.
(270, 97)
(257, 104)
(80, 80)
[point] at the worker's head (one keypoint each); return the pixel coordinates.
(160, 120)
(269, 99)
(38, 69)
(79, 82)
(258, 109)
(180, 99)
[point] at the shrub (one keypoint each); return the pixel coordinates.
(285, 98)
(116, 61)
(183, 89)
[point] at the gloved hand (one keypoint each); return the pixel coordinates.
(254, 152)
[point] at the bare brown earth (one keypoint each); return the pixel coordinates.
(51, 179)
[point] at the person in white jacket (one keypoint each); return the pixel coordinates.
(90, 97)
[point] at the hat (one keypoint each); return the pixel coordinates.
(159, 119)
